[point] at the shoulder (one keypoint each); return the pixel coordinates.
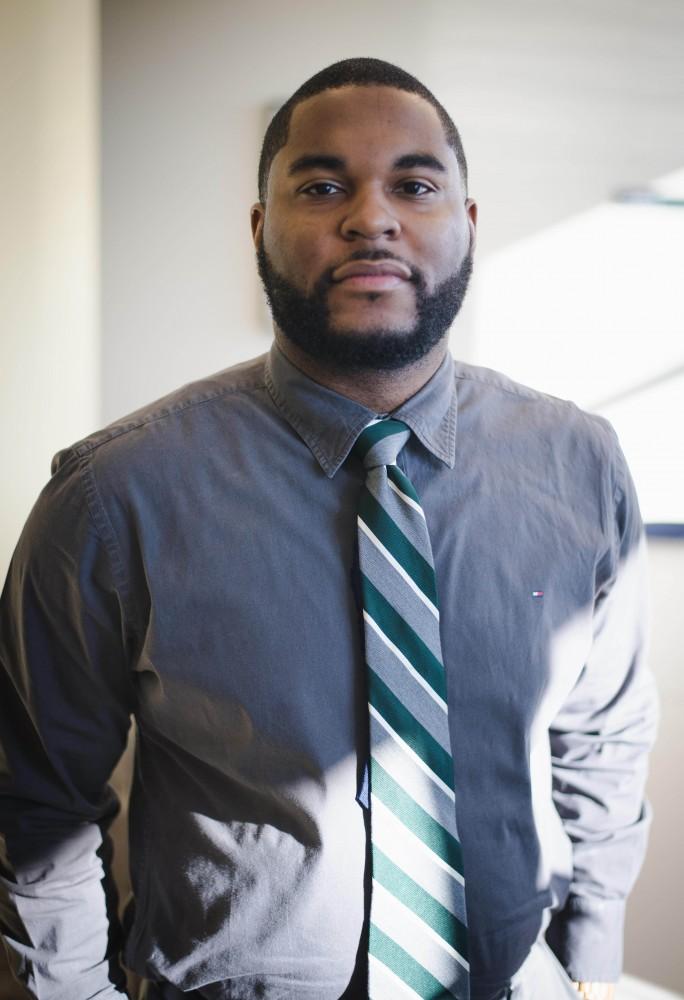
(530, 436)
(516, 410)
(166, 422)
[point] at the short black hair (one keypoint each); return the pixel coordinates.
(360, 72)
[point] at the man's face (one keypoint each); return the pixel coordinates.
(364, 245)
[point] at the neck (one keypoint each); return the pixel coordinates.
(381, 391)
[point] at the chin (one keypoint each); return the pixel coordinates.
(380, 321)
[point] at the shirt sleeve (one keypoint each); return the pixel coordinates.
(65, 706)
(599, 745)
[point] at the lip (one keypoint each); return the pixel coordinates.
(372, 273)
(371, 282)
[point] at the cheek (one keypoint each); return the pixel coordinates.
(445, 249)
(296, 253)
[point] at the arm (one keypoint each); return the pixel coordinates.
(599, 744)
(64, 714)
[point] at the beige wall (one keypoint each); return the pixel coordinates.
(653, 934)
(49, 336)
(49, 269)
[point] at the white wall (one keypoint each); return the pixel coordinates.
(591, 309)
(49, 335)
(653, 937)
(49, 332)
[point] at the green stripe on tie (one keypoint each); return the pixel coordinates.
(376, 432)
(386, 531)
(414, 817)
(400, 634)
(402, 482)
(425, 906)
(405, 725)
(405, 967)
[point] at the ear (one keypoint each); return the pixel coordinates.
(257, 214)
(471, 212)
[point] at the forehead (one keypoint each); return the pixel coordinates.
(369, 122)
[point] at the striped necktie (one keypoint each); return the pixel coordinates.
(418, 934)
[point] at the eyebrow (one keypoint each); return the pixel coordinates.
(320, 161)
(411, 160)
(315, 161)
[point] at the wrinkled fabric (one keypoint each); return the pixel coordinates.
(541, 976)
(193, 564)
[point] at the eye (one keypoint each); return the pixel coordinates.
(321, 189)
(416, 189)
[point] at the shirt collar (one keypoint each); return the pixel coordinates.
(330, 423)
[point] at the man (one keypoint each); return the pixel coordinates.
(383, 670)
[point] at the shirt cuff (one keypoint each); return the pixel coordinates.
(587, 937)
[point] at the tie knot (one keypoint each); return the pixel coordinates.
(380, 443)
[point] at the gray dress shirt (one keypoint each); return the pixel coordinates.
(193, 564)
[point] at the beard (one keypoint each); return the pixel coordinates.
(305, 319)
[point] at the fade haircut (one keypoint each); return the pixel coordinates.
(362, 72)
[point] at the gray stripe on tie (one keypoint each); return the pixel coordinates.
(407, 689)
(385, 451)
(407, 520)
(414, 935)
(400, 595)
(406, 772)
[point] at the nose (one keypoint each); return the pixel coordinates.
(370, 217)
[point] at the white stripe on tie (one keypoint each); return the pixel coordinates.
(388, 983)
(406, 663)
(411, 779)
(411, 753)
(399, 568)
(409, 500)
(400, 844)
(407, 929)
